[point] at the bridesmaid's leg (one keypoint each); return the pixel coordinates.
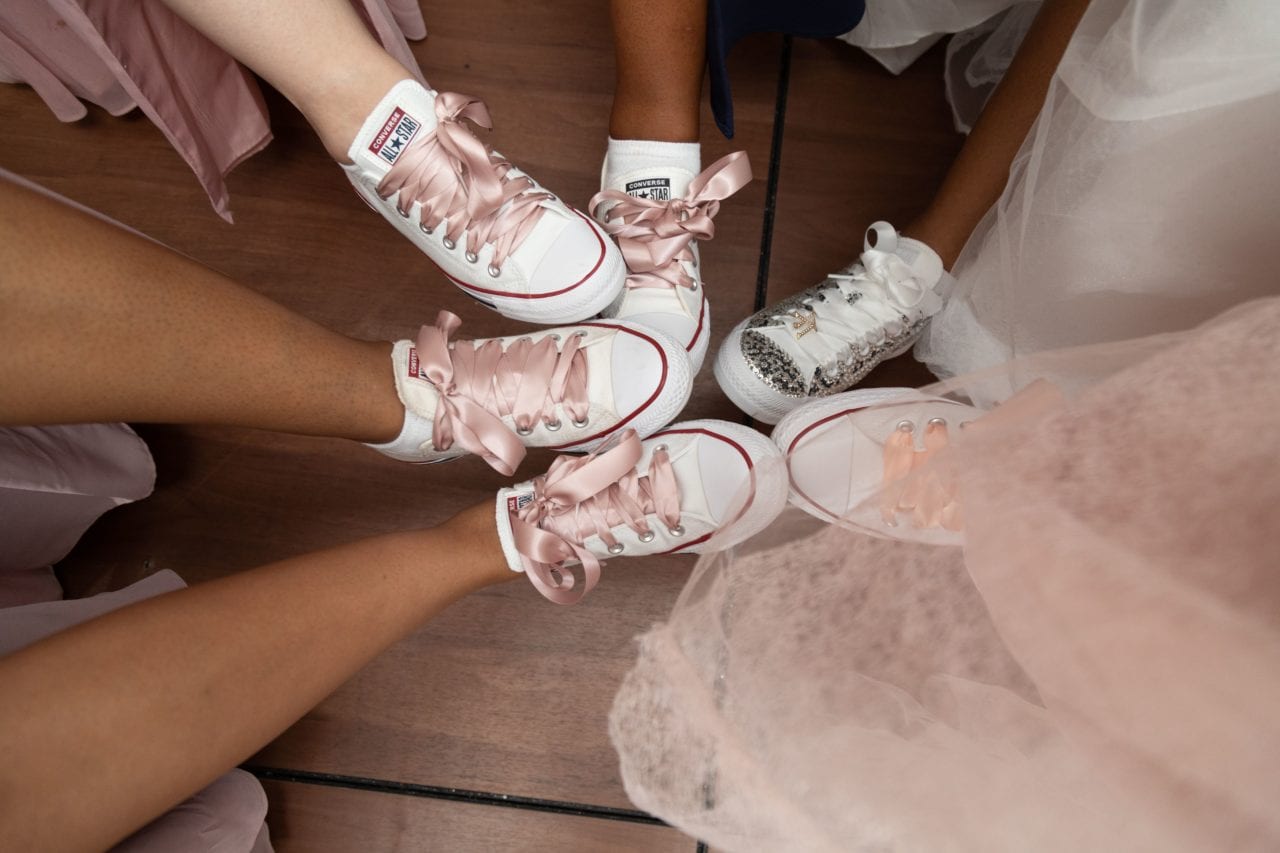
(980, 172)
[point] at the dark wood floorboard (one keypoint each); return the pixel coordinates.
(315, 819)
(504, 692)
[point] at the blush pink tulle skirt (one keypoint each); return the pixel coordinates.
(1098, 667)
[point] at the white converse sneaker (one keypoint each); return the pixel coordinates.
(657, 214)
(696, 487)
(824, 340)
(492, 230)
(851, 458)
(569, 388)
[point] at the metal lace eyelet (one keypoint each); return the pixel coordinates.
(580, 424)
(403, 213)
(527, 430)
(472, 257)
(937, 421)
(678, 530)
(580, 334)
(495, 270)
(424, 228)
(449, 244)
(659, 447)
(647, 536)
(554, 336)
(551, 426)
(617, 548)
(906, 426)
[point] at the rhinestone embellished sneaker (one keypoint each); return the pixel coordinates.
(493, 230)
(824, 340)
(859, 457)
(696, 487)
(568, 388)
(657, 216)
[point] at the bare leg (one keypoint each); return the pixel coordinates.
(980, 172)
(101, 325)
(109, 724)
(317, 53)
(660, 47)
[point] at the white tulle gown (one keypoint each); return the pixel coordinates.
(1098, 668)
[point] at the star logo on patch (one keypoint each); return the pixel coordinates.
(396, 142)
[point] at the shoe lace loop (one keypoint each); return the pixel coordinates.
(859, 309)
(480, 385)
(655, 236)
(926, 495)
(458, 179)
(582, 496)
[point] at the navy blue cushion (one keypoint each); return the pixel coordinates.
(730, 20)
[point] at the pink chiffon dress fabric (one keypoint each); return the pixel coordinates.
(122, 54)
(1098, 666)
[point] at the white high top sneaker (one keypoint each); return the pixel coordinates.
(824, 340)
(696, 487)
(657, 214)
(493, 230)
(568, 388)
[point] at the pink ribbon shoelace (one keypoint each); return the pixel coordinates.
(586, 496)
(480, 385)
(928, 496)
(655, 235)
(461, 180)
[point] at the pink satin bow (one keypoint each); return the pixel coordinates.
(583, 496)
(478, 386)
(458, 179)
(652, 234)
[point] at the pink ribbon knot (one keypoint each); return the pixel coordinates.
(477, 386)
(654, 234)
(580, 497)
(459, 180)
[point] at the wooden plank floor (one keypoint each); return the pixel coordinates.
(474, 700)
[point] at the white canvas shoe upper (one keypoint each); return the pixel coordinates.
(658, 214)
(570, 388)
(862, 457)
(695, 487)
(492, 229)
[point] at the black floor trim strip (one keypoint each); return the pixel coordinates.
(410, 789)
(771, 182)
(775, 164)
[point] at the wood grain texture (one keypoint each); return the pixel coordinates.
(314, 819)
(504, 692)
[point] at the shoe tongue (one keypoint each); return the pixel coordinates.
(655, 183)
(404, 114)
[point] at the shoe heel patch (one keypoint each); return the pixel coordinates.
(396, 133)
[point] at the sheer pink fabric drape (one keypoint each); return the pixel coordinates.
(122, 54)
(1098, 668)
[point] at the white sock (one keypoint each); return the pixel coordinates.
(407, 446)
(419, 400)
(639, 166)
